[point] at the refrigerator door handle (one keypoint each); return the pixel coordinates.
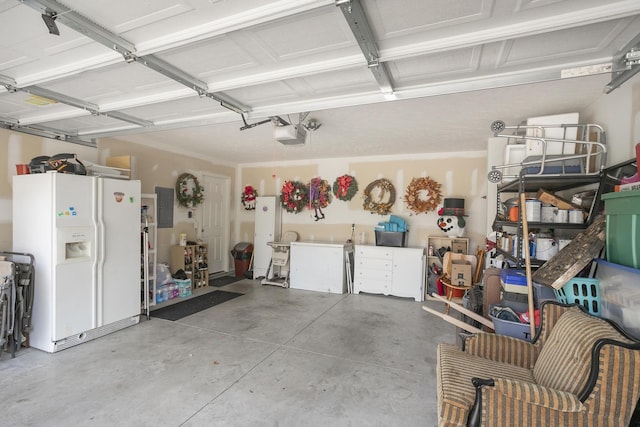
(98, 195)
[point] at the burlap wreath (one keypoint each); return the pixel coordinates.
(379, 206)
(423, 195)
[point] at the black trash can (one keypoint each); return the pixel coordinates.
(242, 257)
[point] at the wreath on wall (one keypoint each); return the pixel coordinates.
(423, 195)
(379, 206)
(189, 192)
(345, 187)
(294, 196)
(249, 195)
(319, 193)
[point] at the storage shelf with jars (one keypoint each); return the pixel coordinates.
(193, 259)
(148, 254)
(553, 217)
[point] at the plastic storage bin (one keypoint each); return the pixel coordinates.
(583, 291)
(512, 329)
(513, 281)
(623, 227)
(620, 295)
(396, 239)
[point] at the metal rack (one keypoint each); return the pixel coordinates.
(556, 157)
(16, 299)
(551, 151)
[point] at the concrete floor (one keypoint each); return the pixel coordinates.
(272, 357)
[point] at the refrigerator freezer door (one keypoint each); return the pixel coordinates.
(119, 253)
(74, 309)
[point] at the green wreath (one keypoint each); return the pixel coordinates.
(294, 196)
(189, 192)
(345, 187)
(379, 206)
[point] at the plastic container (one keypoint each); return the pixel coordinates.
(623, 227)
(512, 329)
(533, 208)
(513, 281)
(518, 302)
(396, 239)
(543, 293)
(583, 291)
(620, 295)
(546, 248)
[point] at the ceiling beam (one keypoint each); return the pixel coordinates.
(128, 51)
(83, 105)
(357, 20)
(626, 64)
(46, 132)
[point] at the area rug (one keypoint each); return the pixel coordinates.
(223, 281)
(191, 306)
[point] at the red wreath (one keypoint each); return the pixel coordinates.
(345, 187)
(294, 196)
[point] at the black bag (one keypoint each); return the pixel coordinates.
(180, 275)
(61, 163)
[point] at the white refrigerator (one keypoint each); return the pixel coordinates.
(268, 222)
(84, 233)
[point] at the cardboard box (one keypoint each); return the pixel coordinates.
(551, 199)
(461, 274)
(459, 247)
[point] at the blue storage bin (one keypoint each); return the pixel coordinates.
(583, 291)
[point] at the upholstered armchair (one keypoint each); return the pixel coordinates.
(579, 370)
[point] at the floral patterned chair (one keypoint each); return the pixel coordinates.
(580, 370)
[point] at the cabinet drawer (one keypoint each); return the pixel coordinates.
(373, 274)
(371, 286)
(373, 264)
(379, 252)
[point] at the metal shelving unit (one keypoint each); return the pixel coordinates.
(148, 253)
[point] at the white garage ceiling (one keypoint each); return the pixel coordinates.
(380, 76)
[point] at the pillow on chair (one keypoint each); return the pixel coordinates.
(565, 370)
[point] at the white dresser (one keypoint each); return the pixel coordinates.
(389, 271)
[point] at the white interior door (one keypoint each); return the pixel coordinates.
(215, 221)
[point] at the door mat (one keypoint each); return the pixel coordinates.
(223, 281)
(194, 305)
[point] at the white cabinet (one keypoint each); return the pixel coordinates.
(148, 225)
(319, 266)
(268, 222)
(389, 271)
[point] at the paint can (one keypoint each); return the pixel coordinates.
(576, 216)
(561, 215)
(547, 213)
(533, 210)
(546, 248)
